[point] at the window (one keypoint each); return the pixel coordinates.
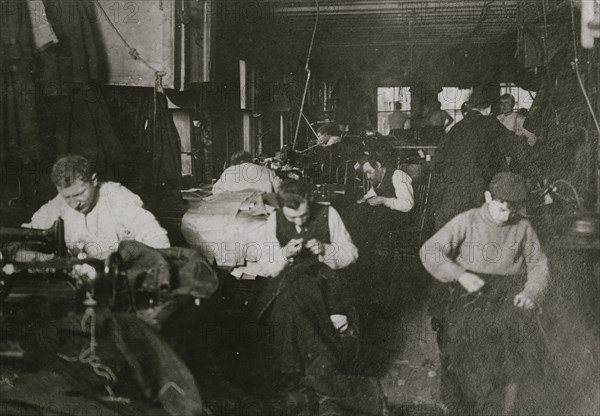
(523, 98)
(452, 98)
(386, 97)
(247, 105)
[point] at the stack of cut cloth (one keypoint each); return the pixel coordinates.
(222, 226)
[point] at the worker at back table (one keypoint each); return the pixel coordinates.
(243, 175)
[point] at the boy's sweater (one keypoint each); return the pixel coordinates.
(473, 242)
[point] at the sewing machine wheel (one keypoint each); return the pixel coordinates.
(6, 284)
(121, 296)
(113, 265)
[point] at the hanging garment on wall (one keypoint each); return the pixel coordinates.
(43, 34)
(157, 135)
(68, 70)
(18, 121)
(82, 126)
(76, 58)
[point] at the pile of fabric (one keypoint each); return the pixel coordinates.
(113, 361)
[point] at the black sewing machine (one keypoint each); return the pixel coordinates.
(62, 280)
(51, 240)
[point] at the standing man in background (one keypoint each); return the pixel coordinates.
(514, 121)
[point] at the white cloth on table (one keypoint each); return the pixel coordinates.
(224, 225)
(247, 177)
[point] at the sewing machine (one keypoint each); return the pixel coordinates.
(60, 279)
(51, 240)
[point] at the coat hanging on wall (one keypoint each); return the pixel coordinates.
(18, 120)
(159, 140)
(79, 121)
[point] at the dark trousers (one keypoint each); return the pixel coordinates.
(300, 348)
(485, 344)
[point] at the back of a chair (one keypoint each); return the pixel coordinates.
(345, 172)
(422, 193)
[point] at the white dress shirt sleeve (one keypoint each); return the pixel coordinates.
(143, 225)
(522, 131)
(341, 252)
(404, 200)
(46, 215)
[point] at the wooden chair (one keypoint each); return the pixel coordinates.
(345, 172)
(408, 240)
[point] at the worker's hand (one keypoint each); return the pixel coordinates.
(361, 201)
(376, 200)
(524, 302)
(340, 322)
(532, 140)
(471, 282)
(293, 247)
(315, 247)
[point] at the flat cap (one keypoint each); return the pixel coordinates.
(508, 186)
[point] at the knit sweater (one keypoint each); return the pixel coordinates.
(473, 242)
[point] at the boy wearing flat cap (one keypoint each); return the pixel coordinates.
(497, 273)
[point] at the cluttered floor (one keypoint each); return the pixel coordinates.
(397, 345)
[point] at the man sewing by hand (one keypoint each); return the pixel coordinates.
(385, 206)
(303, 310)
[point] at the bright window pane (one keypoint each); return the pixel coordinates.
(452, 98)
(523, 98)
(386, 97)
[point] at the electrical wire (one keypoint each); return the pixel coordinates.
(577, 199)
(544, 10)
(576, 67)
(88, 355)
(308, 73)
(132, 51)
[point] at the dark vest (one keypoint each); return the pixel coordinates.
(316, 227)
(386, 187)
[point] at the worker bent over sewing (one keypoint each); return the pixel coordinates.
(384, 207)
(497, 274)
(98, 215)
(303, 312)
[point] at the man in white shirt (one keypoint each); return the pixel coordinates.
(97, 215)
(390, 187)
(385, 207)
(514, 121)
(396, 120)
(243, 175)
(299, 227)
